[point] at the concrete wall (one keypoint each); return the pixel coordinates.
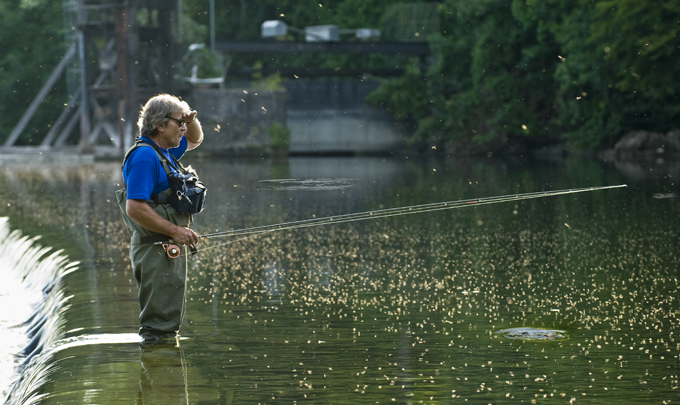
(237, 121)
(323, 116)
(330, 116)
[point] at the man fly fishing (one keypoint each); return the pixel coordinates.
(158, 201)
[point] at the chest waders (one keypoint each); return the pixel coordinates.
(161, 279)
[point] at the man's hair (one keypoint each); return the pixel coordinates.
(156, 110)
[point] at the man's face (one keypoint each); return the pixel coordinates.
(170, 134)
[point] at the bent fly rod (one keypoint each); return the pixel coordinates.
(173, 251)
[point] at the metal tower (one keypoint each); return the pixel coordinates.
(119, 53)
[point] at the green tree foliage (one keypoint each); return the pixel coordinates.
(491, 79)
(617, 65)
(542, 71)
(406, 97)
(622, 65)
(32, 41)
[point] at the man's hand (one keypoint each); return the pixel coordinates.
(189, 117)
(184, 236)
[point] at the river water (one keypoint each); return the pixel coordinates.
(398, 310)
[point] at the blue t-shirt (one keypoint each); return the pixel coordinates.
(143, 172)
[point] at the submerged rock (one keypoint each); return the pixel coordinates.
(532, 334)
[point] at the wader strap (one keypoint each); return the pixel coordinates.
(159, 199)
(164, 161)
(155, 198)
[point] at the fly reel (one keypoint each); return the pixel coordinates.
(173, 251)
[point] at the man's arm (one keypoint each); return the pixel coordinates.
(149, 219)
(194, 133)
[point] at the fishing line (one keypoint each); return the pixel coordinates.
(249, 233)
(232, 241)
(391, 212)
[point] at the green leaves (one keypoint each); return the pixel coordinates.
(33, 44)
(545, 71)
(620, 60)
(647, 55)
(405, 97)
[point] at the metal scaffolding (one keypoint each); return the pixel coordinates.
(114, 57)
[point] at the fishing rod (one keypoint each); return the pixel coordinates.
(390, 212)
(173, 251)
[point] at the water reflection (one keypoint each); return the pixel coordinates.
(396, 310)
(320, 274)
(163, 376)
(273, 283)
(648, 169)
(310, 184)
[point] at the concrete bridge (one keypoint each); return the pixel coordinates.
(331, 116)
(324, 116)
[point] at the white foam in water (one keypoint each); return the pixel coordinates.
(16, 305)
(26, 270)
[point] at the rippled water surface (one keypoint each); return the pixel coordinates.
(403, 309)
